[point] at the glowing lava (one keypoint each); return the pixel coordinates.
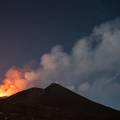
(14, 82)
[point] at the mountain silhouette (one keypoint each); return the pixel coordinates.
(53, 103)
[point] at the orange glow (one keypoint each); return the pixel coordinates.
(14, 82)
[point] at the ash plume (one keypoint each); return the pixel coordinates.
(88, 69)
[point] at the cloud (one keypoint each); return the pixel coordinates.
(91, 66)
(91, 69)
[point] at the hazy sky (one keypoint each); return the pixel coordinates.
(31, 28)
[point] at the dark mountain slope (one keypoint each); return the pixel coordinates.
(53, 103)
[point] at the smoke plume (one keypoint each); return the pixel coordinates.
(91, 69)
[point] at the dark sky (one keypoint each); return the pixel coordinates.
(30, 28)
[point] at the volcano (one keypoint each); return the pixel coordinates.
(53, 103)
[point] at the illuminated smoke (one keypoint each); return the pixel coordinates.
(87, 70)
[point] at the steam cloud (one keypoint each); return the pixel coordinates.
(91, 69)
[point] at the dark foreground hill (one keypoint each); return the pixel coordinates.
(53, 103)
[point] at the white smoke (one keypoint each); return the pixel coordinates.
(88, 69)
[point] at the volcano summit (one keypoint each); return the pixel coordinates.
(53, 103)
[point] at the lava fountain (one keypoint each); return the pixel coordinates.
(14, 82)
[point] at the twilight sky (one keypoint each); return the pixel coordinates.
(89, 62)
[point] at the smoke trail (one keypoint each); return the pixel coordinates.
(93, 61)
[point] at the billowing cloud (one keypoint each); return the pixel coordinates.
(91, 69)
